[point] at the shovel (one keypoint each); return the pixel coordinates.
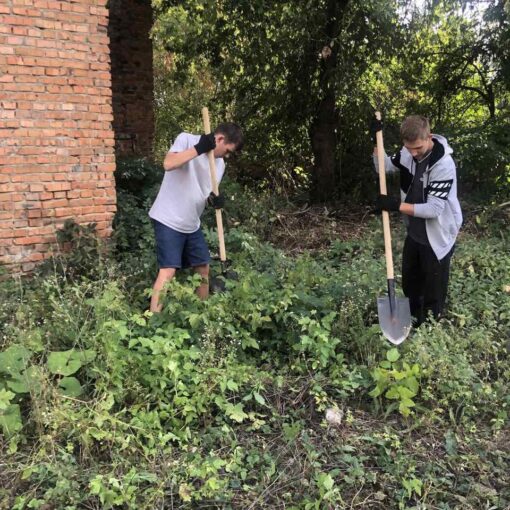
(394, 312)
(217, 284)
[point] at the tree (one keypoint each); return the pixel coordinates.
(284, 69)
(304, 77)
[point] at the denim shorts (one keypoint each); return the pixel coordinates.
(179, 250)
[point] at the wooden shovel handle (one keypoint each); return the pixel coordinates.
(385, 214)
(214, 185)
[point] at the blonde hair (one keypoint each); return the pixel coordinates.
(415, 127)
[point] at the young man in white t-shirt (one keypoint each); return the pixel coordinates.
(184, 193)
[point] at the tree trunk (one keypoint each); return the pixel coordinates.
(323, 138)
(323, 128)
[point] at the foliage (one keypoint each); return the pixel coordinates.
(260, 64)
(264, 66)
(396, 382)
(222, 403)
(79, 252)
(484, 162)
(19, 377)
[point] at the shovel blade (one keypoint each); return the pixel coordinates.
(395, 323)
(217, 285)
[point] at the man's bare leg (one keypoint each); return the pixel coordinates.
(164, 276)
(203, 290)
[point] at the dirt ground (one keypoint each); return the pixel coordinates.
(313, 228)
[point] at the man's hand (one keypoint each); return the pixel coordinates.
(386, 203)
(217, 201)
(205, 144)
(375, 126)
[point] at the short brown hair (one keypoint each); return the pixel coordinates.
(232, 133)
(414, 127)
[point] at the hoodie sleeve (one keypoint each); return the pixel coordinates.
(437, 191)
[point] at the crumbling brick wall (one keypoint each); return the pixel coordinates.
(56, 136)
(132, 76)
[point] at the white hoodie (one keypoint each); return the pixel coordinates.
(441, 208)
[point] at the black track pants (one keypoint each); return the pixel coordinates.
(424, 279)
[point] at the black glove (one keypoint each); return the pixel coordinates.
(206, 143)
(386, 203)
(375, 125)
(217, 201)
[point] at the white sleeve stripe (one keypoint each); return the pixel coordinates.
(440, 189)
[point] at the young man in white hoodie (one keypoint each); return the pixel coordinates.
(432, 214)
(184, 193)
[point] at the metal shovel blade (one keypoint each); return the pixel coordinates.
(217, 283)
(395, 321)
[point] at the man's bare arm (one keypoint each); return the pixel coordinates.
(174, 160)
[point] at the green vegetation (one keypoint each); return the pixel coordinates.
(280, 393)
(303, 79)
(222, 404)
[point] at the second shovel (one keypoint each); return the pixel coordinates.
(394, 312)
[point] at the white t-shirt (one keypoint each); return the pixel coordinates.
(184, 191)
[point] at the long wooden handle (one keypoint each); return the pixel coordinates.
(214, 185)
(385, 214)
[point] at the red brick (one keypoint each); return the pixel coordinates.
(52, 204)
(57, 150)
(28, 240)
(34, 257)
(6, 233)
(57, 186)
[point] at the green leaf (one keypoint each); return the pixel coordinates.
(375, 392)
(70, 386)
(5, 398)
(406, 392)
(62, 363)
(392, 355)
(259, 398)
(407, 402)
(85, 356)
(68, 362)
(194, 320)
(10, 419)
(412, 384)
(325, 481)
(14, 359)
(404, 410)
(236, 412)
(185, 492)
(249, 342)
(18, 384)
(96, 485)
(232, 385)
(34, 377)
(398, 375)
(291, 430)
(392, 393)
(450, 443)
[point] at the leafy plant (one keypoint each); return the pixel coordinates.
(396, 381)
(222, 402)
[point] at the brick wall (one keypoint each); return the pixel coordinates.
(56, 142)
(132, 76)
(56, 138)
